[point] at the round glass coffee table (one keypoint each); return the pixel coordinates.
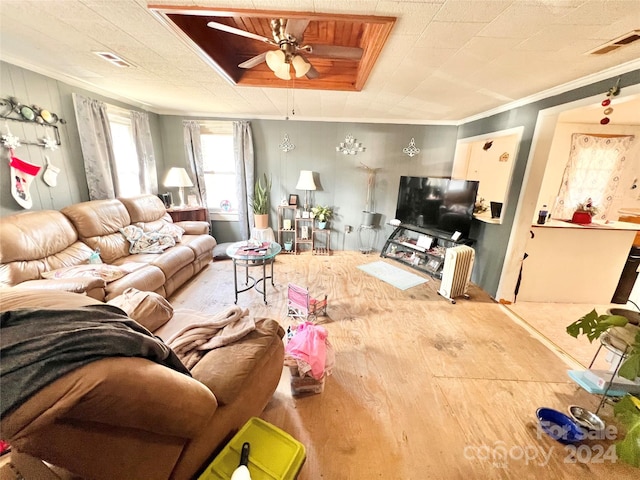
(249, 255)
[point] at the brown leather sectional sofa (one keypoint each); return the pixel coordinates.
(37, 242)
(131, 418)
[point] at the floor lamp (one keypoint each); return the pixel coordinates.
(178, 177)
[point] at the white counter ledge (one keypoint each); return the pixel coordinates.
(617, 225)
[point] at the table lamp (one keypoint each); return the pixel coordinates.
(178, 177)
(306, 183)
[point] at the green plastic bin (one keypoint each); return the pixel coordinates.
(274, 454)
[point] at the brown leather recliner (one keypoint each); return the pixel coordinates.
(131, 418)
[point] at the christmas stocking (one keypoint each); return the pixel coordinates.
(22, 174)
(50, 175)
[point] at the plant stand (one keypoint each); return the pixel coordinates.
(367, 236)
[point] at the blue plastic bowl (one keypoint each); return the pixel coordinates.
(559, 426)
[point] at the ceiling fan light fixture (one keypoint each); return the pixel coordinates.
(275, 59)
(300, 65)
(283, 72)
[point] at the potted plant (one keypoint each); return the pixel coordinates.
(260, 202)
(626, 410)
(368, 214)
(584, 212)
(322, 214)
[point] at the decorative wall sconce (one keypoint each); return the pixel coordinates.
(350, 146)
(286, 145)
(411, 150)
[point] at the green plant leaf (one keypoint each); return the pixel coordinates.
(630, 368)
(628, 449)
(593, 325)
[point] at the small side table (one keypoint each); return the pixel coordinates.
(263, 234)
(188, 213)
(261, 257)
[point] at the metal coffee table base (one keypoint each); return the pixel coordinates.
(249, 281)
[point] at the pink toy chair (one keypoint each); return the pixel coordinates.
(301, 305)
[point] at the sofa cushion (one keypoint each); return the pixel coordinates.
(98, 224)
(147, 308)
(145, 208)
(35, 242)
(108, 273)
(200, 244)
(225, 370)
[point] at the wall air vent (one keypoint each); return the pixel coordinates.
(114, 59)
(619, 42)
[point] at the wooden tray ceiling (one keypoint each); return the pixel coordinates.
(224, 51)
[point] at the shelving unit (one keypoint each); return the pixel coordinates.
(304, 234)
(606, 390)
(287, 215)
(421, 248)
(301, 232)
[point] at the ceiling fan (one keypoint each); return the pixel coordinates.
(288, 36)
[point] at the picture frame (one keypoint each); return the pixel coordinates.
(293, 199)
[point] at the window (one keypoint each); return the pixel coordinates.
(219, 169)
(127, 171)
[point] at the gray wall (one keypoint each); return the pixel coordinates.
(31, 88)
(342, 182)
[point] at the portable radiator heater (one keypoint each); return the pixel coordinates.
(456, 273)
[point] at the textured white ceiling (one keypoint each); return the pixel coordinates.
(445, 61)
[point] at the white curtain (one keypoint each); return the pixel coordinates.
(97, 148)
(245, 167)
(593, 171)
(144, 147)
(195, 162)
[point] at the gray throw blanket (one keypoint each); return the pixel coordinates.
(39, 346)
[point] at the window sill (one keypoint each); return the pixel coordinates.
(223, 217)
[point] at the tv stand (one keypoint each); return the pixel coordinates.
(421, 248)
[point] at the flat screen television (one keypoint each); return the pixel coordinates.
(435, 202)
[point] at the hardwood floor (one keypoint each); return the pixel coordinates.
(421, 389)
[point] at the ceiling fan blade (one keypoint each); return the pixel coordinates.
(336, 51)
(237, 31)
(296, 28)
(252, 62)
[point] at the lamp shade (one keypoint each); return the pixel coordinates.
(305, 182)
(177, 177)
(300, 65)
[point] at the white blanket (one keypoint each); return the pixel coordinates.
(214, 331)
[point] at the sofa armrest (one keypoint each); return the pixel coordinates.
(123, 392)
(73, 285)
(194, 227)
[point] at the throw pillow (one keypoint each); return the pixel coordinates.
(149, 309)
(146, 242)
(108, 273)
(171, 229)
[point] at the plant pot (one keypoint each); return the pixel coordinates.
(322, 225)
(262, 221)
(367, 218)
(583, 218)
(288, 246)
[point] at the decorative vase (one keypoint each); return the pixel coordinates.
(322, 225)
(581, 217)
(262, 221)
